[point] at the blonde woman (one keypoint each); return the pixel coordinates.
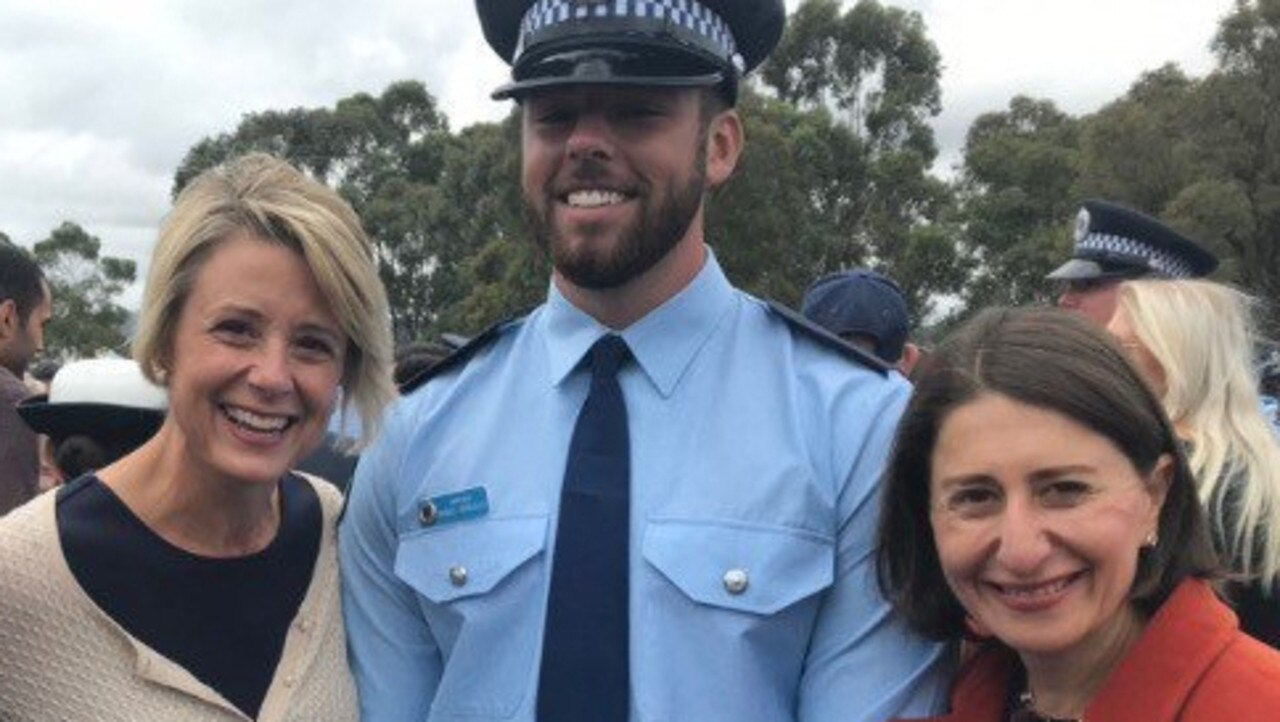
(196, 578)
(1193, 341)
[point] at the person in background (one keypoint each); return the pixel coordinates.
(420, 357)
(96, 411)
(1268, 368)
(652, 497)
(40, 374)
(196, 578)
(866, 309)
(1114, 243)
(26, 303)
(1038, 499)
(1193, 341)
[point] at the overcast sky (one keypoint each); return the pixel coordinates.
(100, 99)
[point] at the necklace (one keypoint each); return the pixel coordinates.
(1026, 711)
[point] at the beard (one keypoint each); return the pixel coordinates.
(659, 225)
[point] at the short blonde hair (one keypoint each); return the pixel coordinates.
(1202, 335)
(270, 199)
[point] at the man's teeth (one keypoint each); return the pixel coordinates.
(594, 199)
(256, 422)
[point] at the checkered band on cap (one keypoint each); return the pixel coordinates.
(688, 14)
(1162, 262)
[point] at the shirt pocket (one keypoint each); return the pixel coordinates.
(729, 609)
(755, 569)
(476, 580)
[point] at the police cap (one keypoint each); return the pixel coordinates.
(673, 43)
(1117, 242)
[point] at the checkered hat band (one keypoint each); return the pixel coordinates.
(689, 14)
(1162, 262)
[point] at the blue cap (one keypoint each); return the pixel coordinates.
(1117, 242)
(861, 301)
(674, 43)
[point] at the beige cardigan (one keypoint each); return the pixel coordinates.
(63, 659)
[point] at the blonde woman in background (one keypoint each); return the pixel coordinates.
(196, 578)
(1193, 341)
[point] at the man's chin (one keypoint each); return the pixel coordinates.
(595, 274)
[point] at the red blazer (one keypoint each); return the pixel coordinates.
(1191, 664)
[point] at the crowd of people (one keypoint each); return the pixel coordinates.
(655, 497)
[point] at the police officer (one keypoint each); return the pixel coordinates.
(1114, 243)
(654, 497)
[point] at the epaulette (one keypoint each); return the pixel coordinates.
(828, 339)
(459, 357)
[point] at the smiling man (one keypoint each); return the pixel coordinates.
(654, 497)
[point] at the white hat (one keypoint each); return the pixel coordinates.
(95, 396)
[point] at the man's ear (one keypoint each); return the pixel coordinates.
(9, 320)
(910, 357)
(724, 146)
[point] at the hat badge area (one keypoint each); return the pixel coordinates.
(1083, 221)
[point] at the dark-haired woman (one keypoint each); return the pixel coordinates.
(1038, 499)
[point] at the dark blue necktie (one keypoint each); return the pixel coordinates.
(585, 652)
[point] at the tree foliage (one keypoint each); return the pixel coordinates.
(802, 204)
(855, 90)
(87, 320)
(1240, 123)
(1016, 194)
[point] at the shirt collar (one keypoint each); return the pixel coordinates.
(663, 342)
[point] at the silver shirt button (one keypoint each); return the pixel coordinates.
(736, 581)
(458, 575)
(427, 514)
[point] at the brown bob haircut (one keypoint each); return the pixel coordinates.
(1054, 360)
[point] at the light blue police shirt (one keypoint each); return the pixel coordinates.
(755, 458)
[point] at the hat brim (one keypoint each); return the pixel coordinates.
(521, 88)
(94, 420)
(1081, 269)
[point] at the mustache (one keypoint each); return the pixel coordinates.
(591, 171)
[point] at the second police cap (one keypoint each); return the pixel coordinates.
(673, 43)
(1112, 241)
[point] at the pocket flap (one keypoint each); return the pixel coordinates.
(748, 568)
(463, 560)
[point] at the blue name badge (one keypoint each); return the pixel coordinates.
(462, 505)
